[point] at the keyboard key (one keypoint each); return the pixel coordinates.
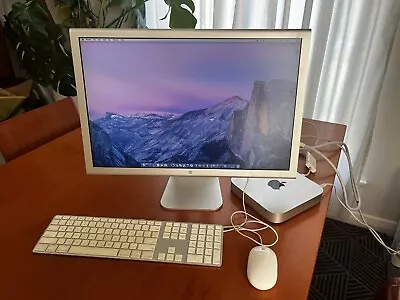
(147, 254)
(100, 237)
(182, 236)
(124, 253)
(85, 223)
(170, 257)
(125, 246)
(129, 226)
(202, 231)
(154, 234)
(101, 244)
(157, 223)
(195, 231)
(116, 231)
(191, 250)
(78, 229)
(117, 245)
(51, 248)
(93, 230)
(200, 244)
(139, 233)
(202, 226)
(68, 241)
(108, 231)
(217, 245)
(84, 236)
(171, 249)
(207, 259)
(114, 225)
(54, 222)
(145, 227)
(150, 222)
(154, 228)
(69, 223)
(208, 245)
(217, 232)
(108, 244)
(119, 221)
(193, 237)
(107, 225)
(209, 238)
(76, 235)
(208, 252)
(166, 236)
(195, 225)
(184, 225)
(101, 230)
(61, 234)
(122, 226)
(200, 251)
(131, 239)
(131, 232)
(123, 238)
(202, 237)
(108, 237)
(124, 232)
(192, 258)
(115, 238)
(192, 244)
(178, 257)
(139, 240)
(183, 230)
(167, 229)
(76, 242)
(60, 241)
(210, 231)
(168, 224)
(217, 239)
(62, 222)
(161, 256)
(142, 222)
(146, 247)
(127, 221)
(152, 241)
(62, 228)
(175, 229)
(138, 227)
(92, 236)
(85, 229)
(40, 247)
(147, 234)
(133, 246)
(53, 227)
(62, 248)
(92, 251)
(92, 243)
(84, 243)
(174, 236)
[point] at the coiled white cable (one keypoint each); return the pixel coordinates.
(242, 229)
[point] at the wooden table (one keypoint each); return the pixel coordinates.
(51, 180)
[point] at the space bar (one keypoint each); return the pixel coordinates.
(92, 251)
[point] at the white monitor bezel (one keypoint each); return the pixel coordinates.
(304, 35)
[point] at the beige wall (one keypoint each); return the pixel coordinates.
(380, 182)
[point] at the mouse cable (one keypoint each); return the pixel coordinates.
(355, 211)
(249, 219)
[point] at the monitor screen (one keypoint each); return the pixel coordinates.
(191, 103)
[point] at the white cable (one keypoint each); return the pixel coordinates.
(241, 227)
(354, 187)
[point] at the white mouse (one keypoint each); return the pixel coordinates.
(262, 268)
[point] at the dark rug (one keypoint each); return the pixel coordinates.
(351, 264)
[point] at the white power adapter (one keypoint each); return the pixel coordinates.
(311, 162)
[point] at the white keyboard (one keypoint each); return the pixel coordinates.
(148, 240)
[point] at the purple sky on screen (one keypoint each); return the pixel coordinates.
(174, 76)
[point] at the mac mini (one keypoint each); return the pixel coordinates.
(278, 200)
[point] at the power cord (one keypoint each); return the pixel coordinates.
(242, 229)
(351, 209)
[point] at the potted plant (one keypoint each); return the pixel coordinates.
(42, 45)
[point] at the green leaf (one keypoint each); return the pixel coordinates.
(180, 17)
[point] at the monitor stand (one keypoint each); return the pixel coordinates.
(192, 193)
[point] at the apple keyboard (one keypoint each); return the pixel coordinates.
(133, 239)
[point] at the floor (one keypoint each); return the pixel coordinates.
(351, 264)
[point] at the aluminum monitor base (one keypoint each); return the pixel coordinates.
(192, 193)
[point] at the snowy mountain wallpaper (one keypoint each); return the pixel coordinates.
(173, 102)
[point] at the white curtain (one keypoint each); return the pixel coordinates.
(350, 47)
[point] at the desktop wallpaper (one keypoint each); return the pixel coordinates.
(191, 103)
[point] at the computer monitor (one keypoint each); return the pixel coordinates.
(191, 104)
